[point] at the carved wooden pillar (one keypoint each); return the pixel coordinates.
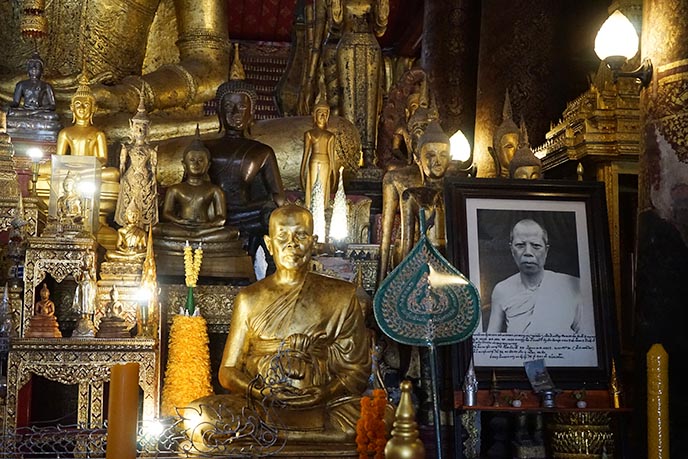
(662, 266)
(450, 56)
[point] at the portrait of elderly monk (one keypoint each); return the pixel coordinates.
(537, 300)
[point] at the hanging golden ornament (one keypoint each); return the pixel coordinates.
(33, 22)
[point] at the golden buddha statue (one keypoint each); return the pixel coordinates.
(131, 239)
(181, 67)
(195, 209)
(31, 113)
(505, 141)
(138, 184)
(244, 168)
(432, 160)
(43, 323)
(319, 161)
(359, 63)
(113, 325)
(300, 333)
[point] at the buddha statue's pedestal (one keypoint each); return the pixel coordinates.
(43, 327)
(225, 259)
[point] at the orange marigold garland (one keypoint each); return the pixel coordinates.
(187, 376)
(371, 432)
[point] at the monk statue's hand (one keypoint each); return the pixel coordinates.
(304, 398)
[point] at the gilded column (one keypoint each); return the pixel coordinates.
(657, 403)
(662, 266)
(450, 57)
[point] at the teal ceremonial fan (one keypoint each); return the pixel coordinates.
(425, 301)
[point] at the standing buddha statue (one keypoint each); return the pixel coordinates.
(359, 63)
(138, 185)
(319, 160)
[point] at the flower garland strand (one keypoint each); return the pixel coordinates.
(192, 264)
(371, 431)
(192, 268)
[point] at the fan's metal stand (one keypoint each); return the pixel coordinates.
(435, 397)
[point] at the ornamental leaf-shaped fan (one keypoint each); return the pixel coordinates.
(425, 300)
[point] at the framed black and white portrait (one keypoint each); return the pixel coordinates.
(538, 252)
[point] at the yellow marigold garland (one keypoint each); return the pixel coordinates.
(192, 264)
(187, 376)
(371, 431)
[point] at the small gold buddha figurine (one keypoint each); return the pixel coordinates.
(432, 160)
(319, 160)
(244, 168)
(31, 114)
(303, 335)
(195, 209)
(131, 239)
(113, 325)
(505, 141)
(69, 204)
(43, 323)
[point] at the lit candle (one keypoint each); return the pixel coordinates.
(657, 403)
(123, 411)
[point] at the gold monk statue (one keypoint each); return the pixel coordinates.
(303, 335)
(319, 160)
(195, 209)
(432, 160)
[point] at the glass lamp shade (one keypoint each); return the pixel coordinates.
(460, 149)
(616, 37)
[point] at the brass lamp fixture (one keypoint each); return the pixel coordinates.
(617, 42)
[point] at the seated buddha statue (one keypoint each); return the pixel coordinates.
(131, 239)
(113, 325)
(195, 209)
(43, 323)
(31, 113)
(69, 204)
(297, 343)
(244, 168)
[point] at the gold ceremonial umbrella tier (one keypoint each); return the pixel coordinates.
(425, 301)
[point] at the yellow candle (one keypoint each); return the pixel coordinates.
(123, 407)
(657, 403)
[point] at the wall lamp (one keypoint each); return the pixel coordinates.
(617, 42)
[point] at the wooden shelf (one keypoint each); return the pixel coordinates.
(598, 400)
